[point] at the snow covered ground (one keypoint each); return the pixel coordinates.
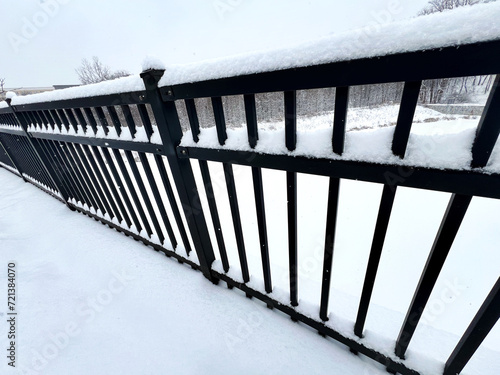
(92, 301)
(63, 272)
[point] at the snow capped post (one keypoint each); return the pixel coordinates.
(163, 106)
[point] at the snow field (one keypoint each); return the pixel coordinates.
(84, 293)
(445, 144)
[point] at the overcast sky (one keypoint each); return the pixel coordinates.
(42, 42)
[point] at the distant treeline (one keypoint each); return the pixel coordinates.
(314, 102)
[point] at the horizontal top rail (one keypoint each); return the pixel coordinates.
(135, 97)
(127, 90)
(455, 61)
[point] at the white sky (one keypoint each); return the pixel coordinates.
(43, 47)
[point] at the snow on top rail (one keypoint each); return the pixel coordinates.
(116, 86)
(478, 23)
(466, 25)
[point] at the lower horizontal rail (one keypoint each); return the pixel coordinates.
(152, 148)
(44, 190)
(466, 182)
(353, 344)
(145, 241)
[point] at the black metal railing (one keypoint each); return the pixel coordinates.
(126, 183)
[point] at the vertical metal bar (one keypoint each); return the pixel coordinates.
(129, 119)
(384, 214)
(63, 170)
(455, 212)
(193, 118)
(78, 194)
(170, 131)
(82, 176)
(43, 119)
(107, 200)
(144, 192)
(253, 136)
(72, 119)
(76, 175)
(481, 325)
(91, 119)
(102, 119)
(291, 193)
(63, 118)
(339, 120)
(261, 220)
(407, 108)
(159, 201)
(110, 205)
(341, 102)
(121, 187)
(220, 122)
(99, 195)
(38, 119)
(488, 128)
(173, 204)
(235, 212)
(290, 119)
(146, 121)
(331, 223)
(212, 205)
(52, 120)
(81, 119)
(116, 120)
(54, 162)
(133, 193)
(251, 116)
(29, 120)
(49, 122)
(57, 120)
(290, 98)
(121, 213)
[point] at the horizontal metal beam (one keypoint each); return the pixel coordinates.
(102, 142)
(136, 97)
(168, 252)
(5, 110)
(12, 131)
(454, 61)
(354, 344)
(452, 181)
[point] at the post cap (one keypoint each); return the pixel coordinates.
(151, 77)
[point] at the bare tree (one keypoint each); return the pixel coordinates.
(2, 83)
(95, 71)
(435, 6)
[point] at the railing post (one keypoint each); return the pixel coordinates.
(170, 131)
(39, 154)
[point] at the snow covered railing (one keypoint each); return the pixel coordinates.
(111, 151)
